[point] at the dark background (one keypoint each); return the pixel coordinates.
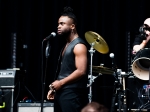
(117, 21)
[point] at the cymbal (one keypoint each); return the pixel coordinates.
(101, 69)
(99, 43)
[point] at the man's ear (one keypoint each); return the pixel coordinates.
(73, 26)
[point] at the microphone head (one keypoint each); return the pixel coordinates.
(111, 55)
(53, 33)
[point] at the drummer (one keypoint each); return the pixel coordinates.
(142, 40)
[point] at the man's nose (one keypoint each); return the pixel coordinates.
(148, 32)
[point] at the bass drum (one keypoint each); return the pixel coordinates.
(141, 64)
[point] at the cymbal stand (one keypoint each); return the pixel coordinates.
(91, 76)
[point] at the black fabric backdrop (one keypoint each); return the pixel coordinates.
(116, 21)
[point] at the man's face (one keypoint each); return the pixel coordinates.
(147, 29)
(147, 26)
(64, 25)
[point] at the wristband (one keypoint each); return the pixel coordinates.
(50, 87)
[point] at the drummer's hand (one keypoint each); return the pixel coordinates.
(133, 52)
(50, 95)
(147, 38)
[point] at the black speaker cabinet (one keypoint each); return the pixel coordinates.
(6, 100)
(35, 107)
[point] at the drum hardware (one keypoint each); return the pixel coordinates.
(119, 93)
(92, 78)
(98, 43)
(145, 95)
(123, 74)
(103, 70)
(141, 64)
(144, 106)
(146, 89)
(115, 93)
(141, 69)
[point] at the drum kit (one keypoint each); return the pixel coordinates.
(141, 69)
(140, 64)
(99, 44)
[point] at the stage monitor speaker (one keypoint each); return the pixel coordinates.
(35, 107)
(6, 100)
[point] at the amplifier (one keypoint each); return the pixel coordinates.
(7, 78)
(35, 107)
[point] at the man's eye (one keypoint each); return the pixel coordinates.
(148, 29)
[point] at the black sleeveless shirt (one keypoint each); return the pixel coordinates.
(67, 66)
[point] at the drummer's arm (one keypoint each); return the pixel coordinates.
(136, 48)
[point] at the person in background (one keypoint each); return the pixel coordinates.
(94, 107)
(69, 89)
(141, 41)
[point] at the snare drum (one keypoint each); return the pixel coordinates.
(141, 64)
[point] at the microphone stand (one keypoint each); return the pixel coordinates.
(113, 101)
(47, 51)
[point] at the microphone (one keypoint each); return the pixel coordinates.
(112, 57)
(53, 34)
